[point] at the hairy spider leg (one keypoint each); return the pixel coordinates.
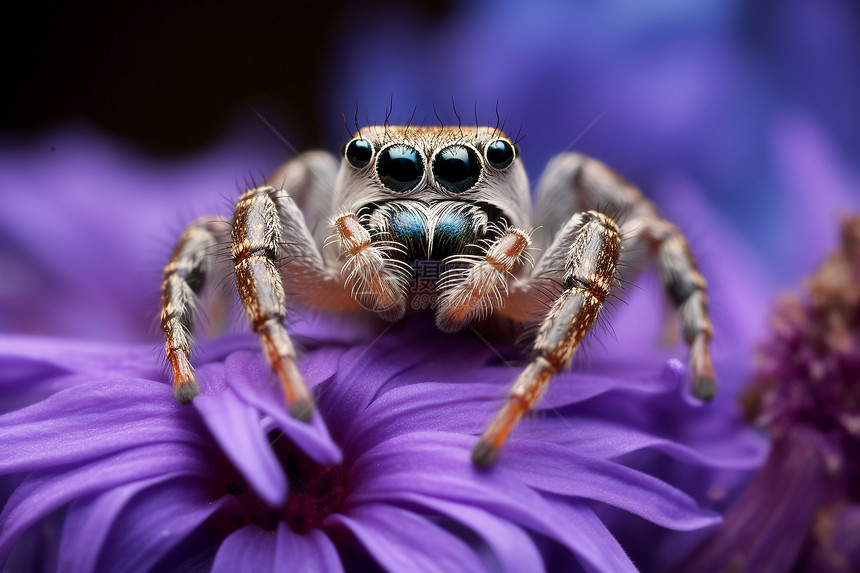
(375, 279)
(686, 288)
(589, 273)
(573, 182)
(184, 278)
(472, 292)
(256, 242)
(269, 239)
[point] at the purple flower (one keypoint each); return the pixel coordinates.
(801, 510)
(235, 482)
(87, 222)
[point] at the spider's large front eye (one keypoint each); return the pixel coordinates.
(358, 152)
(457, 168)
(500, 153)
(400, 167)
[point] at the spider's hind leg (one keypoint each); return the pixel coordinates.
(185, 275)
(589, 272)
(574, 182)
(685, 287)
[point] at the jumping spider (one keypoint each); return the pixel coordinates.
(459, 197)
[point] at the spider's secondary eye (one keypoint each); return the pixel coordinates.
(499, 154)
(358, 152)
(456, 168)
(400, 167)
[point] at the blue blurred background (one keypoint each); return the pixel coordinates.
(748, 110)
(751, 102)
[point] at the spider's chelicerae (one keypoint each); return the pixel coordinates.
(352, 235)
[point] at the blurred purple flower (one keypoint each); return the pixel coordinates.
(86, 224)
(800, 513)
(103, 471)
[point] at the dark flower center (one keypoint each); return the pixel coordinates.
(315, 492)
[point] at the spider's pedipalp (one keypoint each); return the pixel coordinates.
(471, 293)
(376, 280)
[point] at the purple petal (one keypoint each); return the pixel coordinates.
(108, 359)
(401, 540)
(321, 364)
(549, 467)
(607, 439)
(361, 375)
(311, 328)
(455, 407)
(439, 466)
(256, 550)
(218, 349)
(237, 427)
(510, 544)
(92, 420)
(604, 550)
(311, 552)
(460, 404)
(115, 531)
(579, 387)
(46, 490)
(249, 377)
(619, 422)
(248, 549)
(24, 382)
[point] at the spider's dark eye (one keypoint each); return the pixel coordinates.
(400, 167)
(358, 152)
(456, 168)
(499, 154)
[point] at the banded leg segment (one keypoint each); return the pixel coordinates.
(589, 274)
(574, 182)
(686, 289)
(256, 243)
(185, 275)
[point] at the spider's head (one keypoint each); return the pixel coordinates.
(383, 164)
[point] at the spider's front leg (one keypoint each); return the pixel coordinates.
(591, 243)
(270, 237)
(185, 275)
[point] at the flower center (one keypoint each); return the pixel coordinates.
(315, 492)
